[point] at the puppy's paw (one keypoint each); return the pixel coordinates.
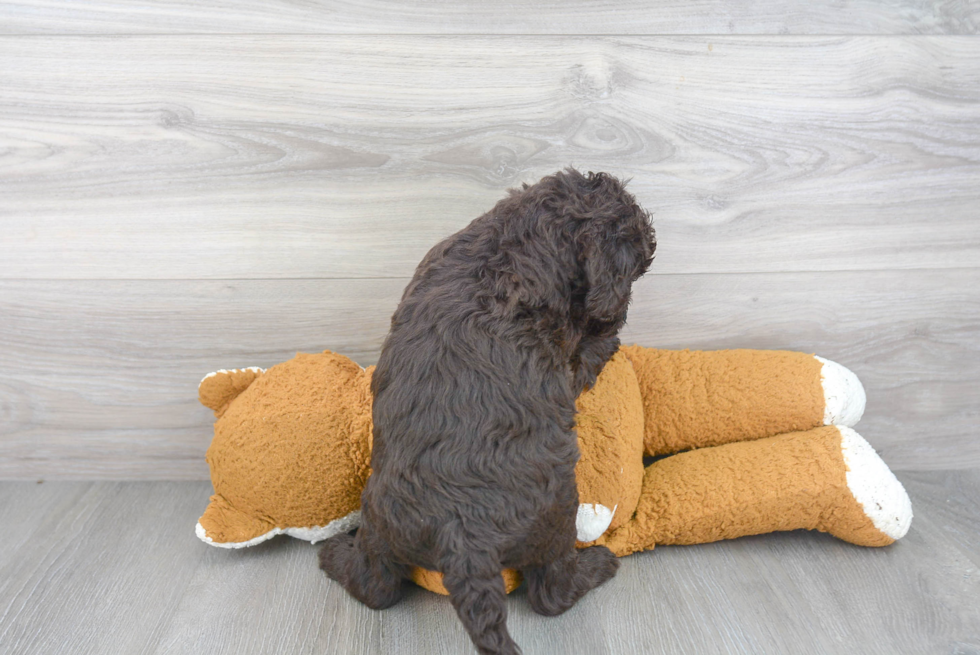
(599, 563)
(583, 379)
(335, 554)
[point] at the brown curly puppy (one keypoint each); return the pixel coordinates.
(500, 329)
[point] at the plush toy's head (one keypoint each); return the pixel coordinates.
(291, 450)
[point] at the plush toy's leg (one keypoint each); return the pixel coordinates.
(827, 479)
(694, 399)
(432, 580)
(363, 565)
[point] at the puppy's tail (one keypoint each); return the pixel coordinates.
(476, 589)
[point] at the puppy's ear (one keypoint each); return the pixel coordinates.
(615, 245)
(609, 269)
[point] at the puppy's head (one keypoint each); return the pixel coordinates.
(614, 240)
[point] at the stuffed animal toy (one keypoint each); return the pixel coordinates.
(758, 441)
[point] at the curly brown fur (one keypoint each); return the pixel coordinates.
(500, 329)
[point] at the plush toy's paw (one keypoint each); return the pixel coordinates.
(844, 397)
(876, 489)
(592, 520)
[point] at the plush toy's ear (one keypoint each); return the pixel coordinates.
(218, 389)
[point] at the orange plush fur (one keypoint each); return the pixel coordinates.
(291, 453)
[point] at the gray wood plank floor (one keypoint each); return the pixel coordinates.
(114, 567)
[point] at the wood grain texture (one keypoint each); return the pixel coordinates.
(99, 383)
(98, 571)
(99, 378)
(950, 501)
(309, 157)
(115, 568)
(468, 17)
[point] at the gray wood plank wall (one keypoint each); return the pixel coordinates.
(189, 188)
(475, 17)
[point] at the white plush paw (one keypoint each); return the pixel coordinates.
(593, 520)
(874, 486)
(844, 396)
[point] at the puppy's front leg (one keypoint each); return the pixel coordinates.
(592, 355)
